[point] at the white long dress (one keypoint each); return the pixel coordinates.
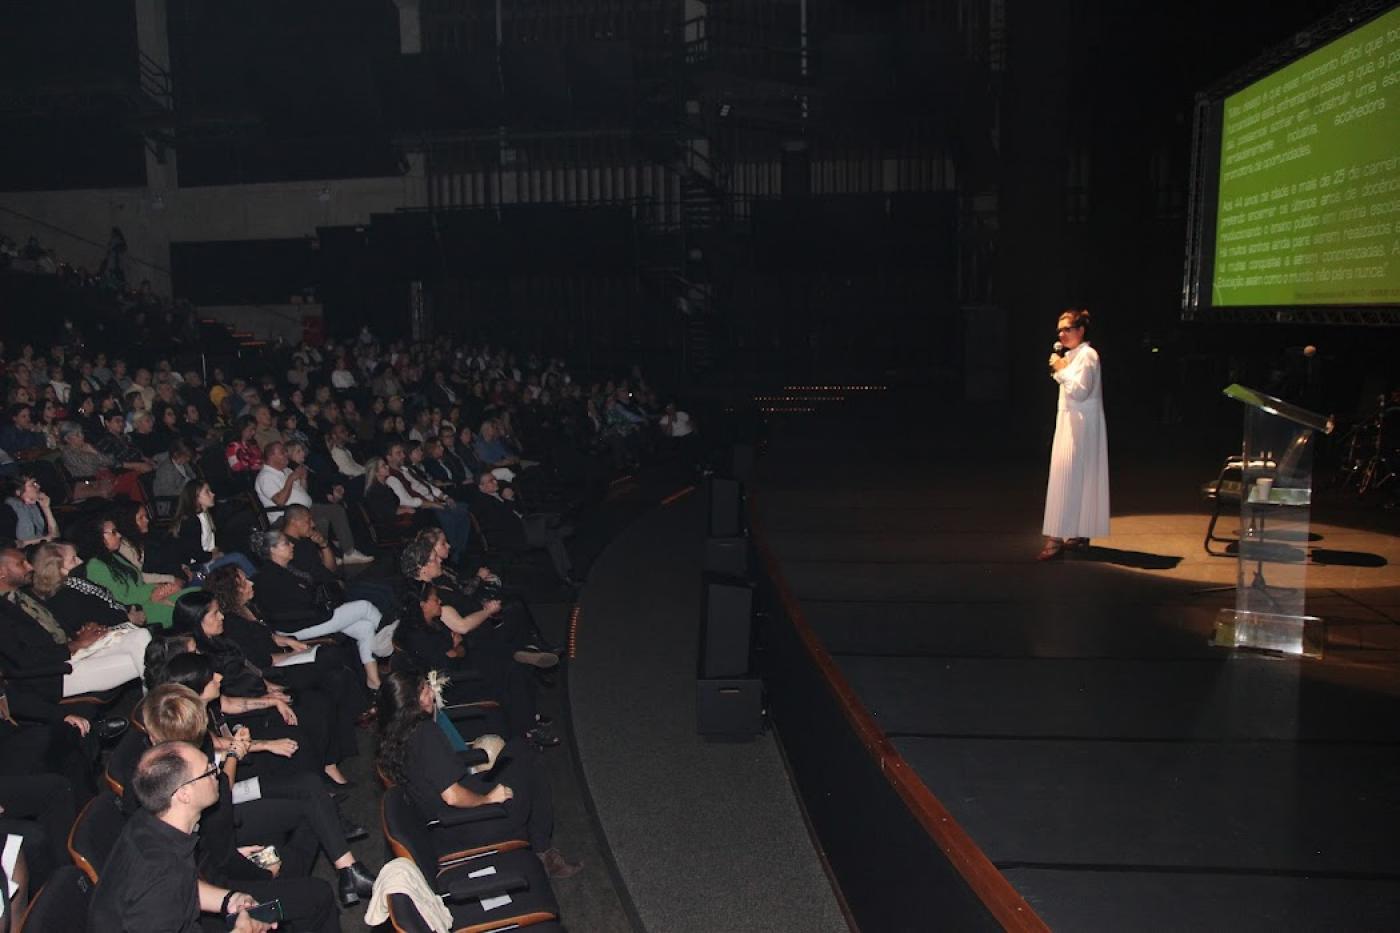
(1076, 498)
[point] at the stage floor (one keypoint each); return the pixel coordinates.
(1121, 771)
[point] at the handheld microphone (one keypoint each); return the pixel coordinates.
(1058, 348)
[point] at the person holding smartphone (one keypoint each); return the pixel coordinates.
(150, 882)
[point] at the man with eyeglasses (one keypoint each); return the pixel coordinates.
(1076, 496)
(151, 883)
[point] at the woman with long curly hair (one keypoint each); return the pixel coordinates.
(415, 753)
(487, 637)
(256, 661)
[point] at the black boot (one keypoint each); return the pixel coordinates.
(353, 883)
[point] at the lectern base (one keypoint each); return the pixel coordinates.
(1263, 631)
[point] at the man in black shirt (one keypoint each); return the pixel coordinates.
(150, 883)
(311, 554)
(33, 658)
(506, 525)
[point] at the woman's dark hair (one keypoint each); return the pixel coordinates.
(411, 604)
(399, 714)
(87, 538)
(159, 653)
(14, 485)
(188, 506)
(224, 584)
(240, 677)
(188, 615)
(241, 425)
(190, 669)
(123, 515)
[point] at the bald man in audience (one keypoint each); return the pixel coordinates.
(151, 881)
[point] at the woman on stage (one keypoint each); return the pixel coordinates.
(1076, 498)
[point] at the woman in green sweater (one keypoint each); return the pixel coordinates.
(99, 543)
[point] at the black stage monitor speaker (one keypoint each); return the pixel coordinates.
(730, 706)
(726, 508)
(727, 556)
(725, 628)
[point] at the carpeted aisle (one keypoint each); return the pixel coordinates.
(706, 836)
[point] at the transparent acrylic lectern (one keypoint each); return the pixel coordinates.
(1275, 503)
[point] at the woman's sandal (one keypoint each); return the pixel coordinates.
(1076, 544)
(1051, 550)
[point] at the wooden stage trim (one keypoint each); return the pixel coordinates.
(990, 885)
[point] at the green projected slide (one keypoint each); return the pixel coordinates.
(1309, 210)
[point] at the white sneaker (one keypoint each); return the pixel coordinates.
(358, 557)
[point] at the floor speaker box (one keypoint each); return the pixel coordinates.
(726, 507)
(727, 556)
(725, 627)
(729, 706)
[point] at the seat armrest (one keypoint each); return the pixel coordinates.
(464, 712)
(469, 675)
(486, 811)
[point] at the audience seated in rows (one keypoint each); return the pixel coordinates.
(140, 560)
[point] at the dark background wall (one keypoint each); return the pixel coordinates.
(944, 178)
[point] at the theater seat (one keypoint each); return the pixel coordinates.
(405, 918)
(464, 878)
(60, 906)
(410, 834)
(385, 536)
(94, 833)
